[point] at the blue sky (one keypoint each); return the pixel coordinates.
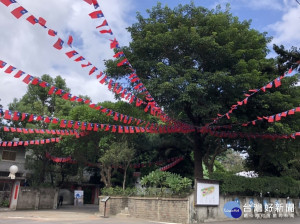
(29, 47)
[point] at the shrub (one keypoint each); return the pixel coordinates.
(164, 181)
(268, 186)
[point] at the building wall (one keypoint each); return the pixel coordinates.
(20, 159)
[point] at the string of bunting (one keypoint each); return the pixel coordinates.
(169, 166)
(272, 118)
(29, 79)
(227, 134)
(40, 131)
(20, 11)
(154, 128)
(275, 83)
(28, 142)
(173, 161)
(105, 28)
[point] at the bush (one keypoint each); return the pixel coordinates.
(118, 191)
(176, 184)
(4, 203)
(268, 186)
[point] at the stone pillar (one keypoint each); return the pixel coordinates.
(14, 196)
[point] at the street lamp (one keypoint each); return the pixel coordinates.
(13, 170)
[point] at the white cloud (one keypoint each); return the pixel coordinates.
(29, 47)
(251, 4)
(287, 29)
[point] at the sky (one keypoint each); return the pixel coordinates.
(30, 48)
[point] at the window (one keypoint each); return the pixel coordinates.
(5, 186)
(9, 155)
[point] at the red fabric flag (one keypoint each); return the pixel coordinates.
(120, 129)
(71, 53)
(47, 120)
(9, 69)
(114, 128)
(16, 116)
(32, 20)
(96, 14)
(93, 70)
(19, 74)
(114, 44)
(269, 85)
(8, 2)
(291, 112)
(59, 44)
(86, 65)
(52, 90)
(7, 114)
(2, 64)
(277, 82)
(52, 32)
(99, 75)
(271, 119)
(123, 62)
(104, 79)
(106, 31)
(89, 1)
(37, 142)
(80, 58)
(83, 126)
(63, 123)
(278, 117)
(96, 127)
(104, 23)
(77, 124)
(70, 41)
(55, 121)
(59, 92)
(6, 129)
(297, 109)
(42, 21)
(18, 12)
(66, 96)
(27, 79)
(44, 84)
(35, 81)
(70, 124)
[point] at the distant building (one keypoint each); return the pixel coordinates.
(11, 156)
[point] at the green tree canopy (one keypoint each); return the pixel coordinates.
(198, 63)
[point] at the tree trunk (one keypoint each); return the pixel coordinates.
(198, 156)
(124, 177)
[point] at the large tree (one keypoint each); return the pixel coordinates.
(197, 63)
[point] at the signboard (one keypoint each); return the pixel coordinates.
(207, 192)
(105, 199)
(78, 198)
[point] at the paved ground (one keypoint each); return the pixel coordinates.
(89, 214)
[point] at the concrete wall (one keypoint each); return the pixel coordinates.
(157, 209)
(183, 210)
(43, 198)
